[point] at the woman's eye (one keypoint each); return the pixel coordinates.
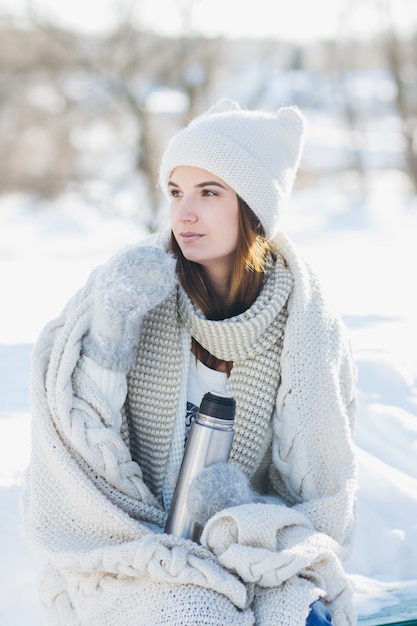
(175, 193)
(209, 192)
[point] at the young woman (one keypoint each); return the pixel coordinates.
(222, 301)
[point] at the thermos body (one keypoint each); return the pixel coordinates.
(209, 441)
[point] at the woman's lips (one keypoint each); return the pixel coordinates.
(190, 237)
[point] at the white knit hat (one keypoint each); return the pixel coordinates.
(254, 152)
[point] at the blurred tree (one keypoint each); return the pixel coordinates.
(345, 51)
(97, 110)
(390, 52)
(34, 155)
(149, 74)
(401, 65)
(61, 89)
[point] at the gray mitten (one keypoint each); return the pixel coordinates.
(127, 288)
(217, 487)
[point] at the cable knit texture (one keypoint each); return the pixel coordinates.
(96, 515)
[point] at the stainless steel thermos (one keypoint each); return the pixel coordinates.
(209, 441)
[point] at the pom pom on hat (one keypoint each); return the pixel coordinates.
(255, 152)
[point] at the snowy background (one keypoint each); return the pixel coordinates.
(362, 244)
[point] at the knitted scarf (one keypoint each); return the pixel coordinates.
(252, 340)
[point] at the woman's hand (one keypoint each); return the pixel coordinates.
(217, 487)
(128, 287)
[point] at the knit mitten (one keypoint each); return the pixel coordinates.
(217, 487)
(126, 289)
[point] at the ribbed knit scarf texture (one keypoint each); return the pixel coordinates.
(252, 340)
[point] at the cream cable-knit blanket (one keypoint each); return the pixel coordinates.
(98, 527)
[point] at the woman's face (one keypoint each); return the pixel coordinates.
(204, 216)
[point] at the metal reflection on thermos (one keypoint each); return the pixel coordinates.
(209, 441)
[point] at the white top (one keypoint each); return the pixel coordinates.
(201, 379)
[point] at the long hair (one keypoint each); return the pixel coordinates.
(248, 271)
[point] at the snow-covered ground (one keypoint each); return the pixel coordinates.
(365, 251)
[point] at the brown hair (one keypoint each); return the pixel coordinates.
(249, 266)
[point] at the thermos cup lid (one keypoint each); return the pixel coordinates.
(218, 404)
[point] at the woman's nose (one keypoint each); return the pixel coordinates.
(186, 211)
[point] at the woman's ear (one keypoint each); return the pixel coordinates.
(225, 105)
